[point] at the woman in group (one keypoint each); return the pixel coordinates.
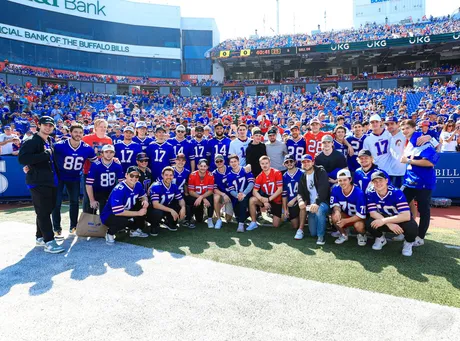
(449, 136)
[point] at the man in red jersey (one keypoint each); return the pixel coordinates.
(201, 187)
(267, 193)
(313, 138)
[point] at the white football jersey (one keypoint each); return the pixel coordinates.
(239, 147)
(397, 145)
(379, 146)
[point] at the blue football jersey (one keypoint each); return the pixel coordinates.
(160, 156)
(421, 177)
(357, 144)
(341, 148)
(239, 181)
(291, 184)
(363, 179)
(392, 204)
(296, 149)
(117, 139)
(127, 153)
(70, 160)
(218, 146)
(102, 177)
(183, 147)
(163, 194)
(220, 179)
(181, 178)
(352, 204)
(144, 143)
(122, 198)
(200, 149)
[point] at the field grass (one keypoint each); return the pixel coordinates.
(432, 274)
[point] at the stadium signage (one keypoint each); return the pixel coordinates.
(340, 47)
(419, 40)
(74, 5)
(376, 43)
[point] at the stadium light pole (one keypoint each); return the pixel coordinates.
(277, 17)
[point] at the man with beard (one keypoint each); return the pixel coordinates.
(160, 153)
(127, 151)
(182, 146)
(219, 144)
(296, 145)
(199, 145)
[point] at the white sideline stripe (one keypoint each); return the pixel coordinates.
(452, 247)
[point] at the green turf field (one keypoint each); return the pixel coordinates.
(432, 274)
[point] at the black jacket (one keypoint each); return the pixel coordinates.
(253, 153)
(33, 154)
(321, 181)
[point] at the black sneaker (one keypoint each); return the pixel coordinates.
(172, 228)
(154, 231)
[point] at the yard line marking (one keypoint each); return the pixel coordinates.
(452, 247)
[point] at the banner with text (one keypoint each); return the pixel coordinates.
(56, 40)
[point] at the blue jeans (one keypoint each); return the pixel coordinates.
(397, 181)
(317, 221)
(73, 191)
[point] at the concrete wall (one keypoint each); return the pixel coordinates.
(348, 85)
(86, 87)
(165, 90)
(374, 84)
(216, 90)
(250, 90)
(389, 83)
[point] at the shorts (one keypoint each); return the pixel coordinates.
(294, 211)
(228, 208)
(345, 216)
(276, 209)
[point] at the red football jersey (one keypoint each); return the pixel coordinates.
(269, 183)
(201, 185)
(313, 142)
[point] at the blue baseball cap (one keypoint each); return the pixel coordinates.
(307, 157)
(391, 119)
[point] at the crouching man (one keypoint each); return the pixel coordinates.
(389, 211)
(119, 212)
(167, 202)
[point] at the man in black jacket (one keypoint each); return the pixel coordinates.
(313, 198)
(41, 179)
(256, 149)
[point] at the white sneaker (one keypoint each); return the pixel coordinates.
(419, 241)
(362, 239)
(398, 238)
(298, 234)
(210, 223)
(109, 239)
(320, 241)
(138, 234)
(336, 234)
(379, 243)
(252, 226)
(342, 239)
(39, 242)
(240, 228)
(218, 225)
(407, 249)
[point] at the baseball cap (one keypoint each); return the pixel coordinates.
(6, 127)
(141, 124)
(142, 156)
(343, 173)
(199, 128)
(315, 120)
(158, 128)
(375, 117)
(219, 157)
(108, 147)
(203, 161)
(256, 131)
(272, 131)
(378, 175)
(180, 127)
(391, 119)
(307, 157)
(218, 125)
(327, 138)
(181, 156)
(295, 127)
(129, 128)
(364, 152)
(424, 124)
(132, 169)
(288, 157)
(45, 120)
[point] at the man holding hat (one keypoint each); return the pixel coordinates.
(313, 199)
(42, 180)
(389, 211)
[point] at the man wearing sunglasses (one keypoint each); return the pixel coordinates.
(119, 212)
(145, 178)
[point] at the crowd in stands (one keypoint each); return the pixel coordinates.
(427, 26)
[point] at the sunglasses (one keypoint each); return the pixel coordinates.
(450, 125)
(289, 161)
(143, 160)
(181, 131)
(219, 161)
(134, 176)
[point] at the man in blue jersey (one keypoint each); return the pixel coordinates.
(145, 179)
(389, 211)
(181, 174)
(141, 138)
(290, 190)
(182, 146)
(103, 176)
(70, 155)
(126, 151)
(161, 153)
(239, 145)
(420, 178)
(221, 196)
(117, 137)
(199, 145)
(348, 206)
(119, 213)
(167, 203)
(219, 144)
(296, 145)
(356, 141)
(240, 185)
(362, 176)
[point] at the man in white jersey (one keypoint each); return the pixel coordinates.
(239, 145)
(378, 143)
(396, 169)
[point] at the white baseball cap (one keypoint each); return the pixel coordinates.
(108, 147)
(375, 117)
(343, 173)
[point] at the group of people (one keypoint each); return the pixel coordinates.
(426, 26)
(368, 180)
